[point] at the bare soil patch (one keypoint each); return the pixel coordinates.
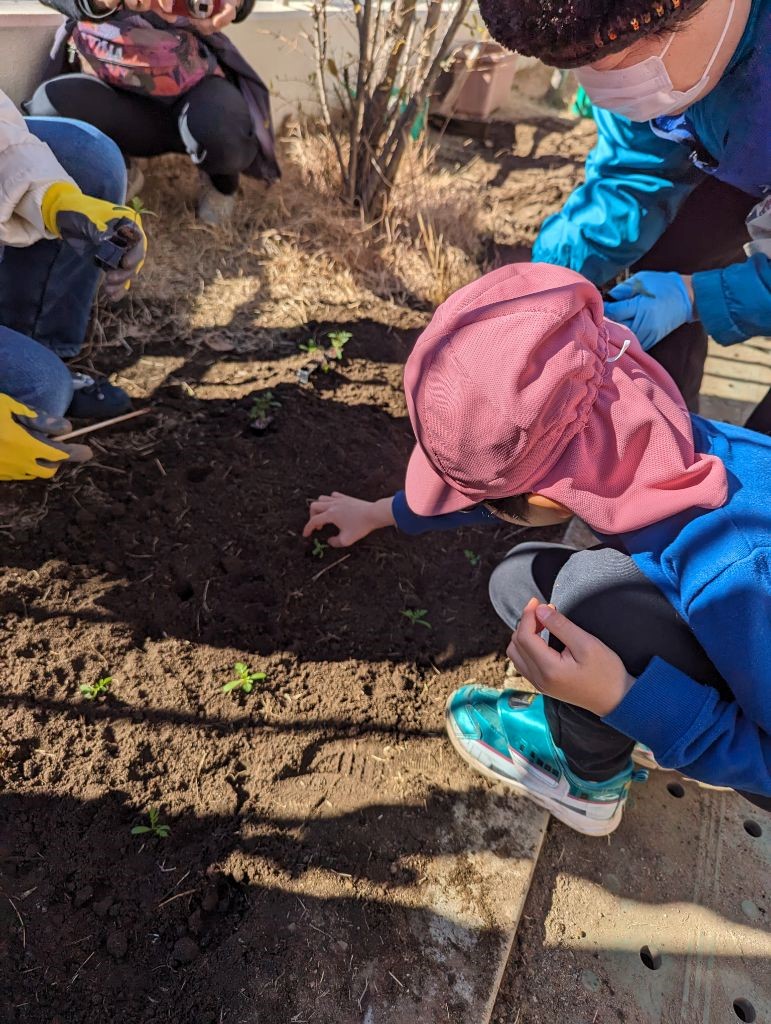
(178, 553)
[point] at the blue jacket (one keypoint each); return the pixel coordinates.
(638, 175)
(714, 567)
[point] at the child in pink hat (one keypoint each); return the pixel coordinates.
(529, 406)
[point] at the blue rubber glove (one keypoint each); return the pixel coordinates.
(651, 304)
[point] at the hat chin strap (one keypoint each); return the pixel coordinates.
(624, 347)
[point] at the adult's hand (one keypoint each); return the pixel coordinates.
(586, 673)
(27, 450)
(203, 26)
(652, 304)
(208, 26)
(96, 229)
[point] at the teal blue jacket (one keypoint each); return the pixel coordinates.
(639, 174)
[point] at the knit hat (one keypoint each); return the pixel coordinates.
(573, 33)
(519, 385)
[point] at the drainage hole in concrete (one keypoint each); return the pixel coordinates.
(675, 789)
(753, 829)
(652, 959)
(744, 1010)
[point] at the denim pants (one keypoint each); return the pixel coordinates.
(46, 290)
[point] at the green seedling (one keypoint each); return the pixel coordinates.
(262, 406)
(92, 690)
(245, 679)
(154, 828)
(417, 617)
(318, 548)
(311, 346)
(138, 206)
(338, 340)
(473, 558)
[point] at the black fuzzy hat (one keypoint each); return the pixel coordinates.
(572, 33)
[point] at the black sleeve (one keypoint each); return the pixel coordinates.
(246, 9)
(77, 9)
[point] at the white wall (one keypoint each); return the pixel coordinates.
(274, 40)
(26, 32)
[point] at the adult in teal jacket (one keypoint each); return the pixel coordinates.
(678, 187)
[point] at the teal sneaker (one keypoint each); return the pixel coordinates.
(504, 735)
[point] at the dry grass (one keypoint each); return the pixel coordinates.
(295, 252)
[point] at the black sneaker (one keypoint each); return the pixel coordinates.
(96, 399)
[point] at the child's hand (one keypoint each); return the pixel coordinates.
(353, 517)
(586, 673)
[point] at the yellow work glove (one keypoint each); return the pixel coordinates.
(24, 451)
(111, 235)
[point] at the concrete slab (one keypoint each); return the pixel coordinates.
(736, 378)
(706, 956)
(668, 923)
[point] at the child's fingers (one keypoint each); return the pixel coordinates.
(319, 505)
(576, 640)
(514, 656)
(531, 644)
(317, 521)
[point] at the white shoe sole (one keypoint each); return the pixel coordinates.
(586, 826)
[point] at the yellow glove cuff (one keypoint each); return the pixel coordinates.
(56, 199)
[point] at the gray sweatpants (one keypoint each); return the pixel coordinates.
(602, 591)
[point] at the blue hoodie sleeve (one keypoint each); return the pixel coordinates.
(409, 522)
(735, 303)
(686, 724)
(635, 184)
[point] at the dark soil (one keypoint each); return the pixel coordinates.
(174, 555)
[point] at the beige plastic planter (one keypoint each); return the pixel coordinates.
(478, 82)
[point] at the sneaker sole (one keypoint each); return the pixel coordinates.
(644, 761)
(588, 827)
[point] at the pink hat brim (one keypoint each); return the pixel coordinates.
(427, 493)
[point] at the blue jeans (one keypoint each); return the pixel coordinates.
(46, 289)
(33, 374)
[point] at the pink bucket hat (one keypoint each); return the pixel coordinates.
(519, 384)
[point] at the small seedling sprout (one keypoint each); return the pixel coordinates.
(318, 548)
(92, 690)
(338, 340)
(262, 405)
(138, 206)
(245, 679)
(473, 558)
(310, 346)
(155, 827)
(417, 617)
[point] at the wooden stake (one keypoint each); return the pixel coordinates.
(102, 425)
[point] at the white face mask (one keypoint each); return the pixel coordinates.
(645, 90)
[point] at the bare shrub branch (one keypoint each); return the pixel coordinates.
(383, 89)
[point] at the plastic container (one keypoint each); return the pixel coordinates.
(477, 83)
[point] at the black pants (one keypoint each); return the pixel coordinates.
(603, 592)
(708, 233)
(211, 122)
